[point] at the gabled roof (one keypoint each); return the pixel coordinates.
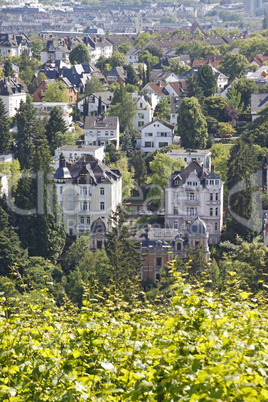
(89, 170)
(179, 178)
(258, 102)
(165, 123)
(9, 86)
(156, 87)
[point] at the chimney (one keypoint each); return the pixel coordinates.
(102, 39)
(212, 168)
(95, 40)
(203, 168)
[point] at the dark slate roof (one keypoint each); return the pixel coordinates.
(9, 86)
(183, 175)
(198, 227)
(258, 102)
(98, 227)
(175, 102)
(89, 170)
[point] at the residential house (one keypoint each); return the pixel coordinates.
(12, 93)
(156, 134)
(44, 109)
(98, 46)
(258, 60)
(14, 45)
(175, 102)
(117, 74)
(259, 76)
(194, 192)
(258, 102)
(162, 245)
(86, 190)
(202, 156)
(55, 50)
(155, 91)
(144, 113)
(74, 152)
(39, 92)
(92, 102)
(132, 55)
(176, 88)
(101, 130)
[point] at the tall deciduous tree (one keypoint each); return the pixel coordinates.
(207, 80)
(192, 126)
(5, 134)
(79, 54)
(56, 92)
(162, 109)
(234, 65)
(162, 166)
(123, 106)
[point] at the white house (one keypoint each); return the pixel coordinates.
(98, 46)
(156, 134)
(132, 55)
(14, 45)
(101, 130)
(93, 102)
(86, 190)
(202, 156)
(12, 93)
(74, 152)
(195, 192)
(144, 113)
(44, 109)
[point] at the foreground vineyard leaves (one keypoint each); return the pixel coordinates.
(197, 347)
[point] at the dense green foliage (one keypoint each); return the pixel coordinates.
(79, 54)
(197, 346)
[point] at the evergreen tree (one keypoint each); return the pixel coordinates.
(5, 135)
(143, 77)
(124, 107)
(11, 251)
(193, 89)
(131, 75)
(26, 121)
(207, 81)
(148, 72)
(162, 109)
(137, 161)
(8, 69)
(55, 124)
(244, 161)
(85, 107)
(127, 145)
(192, 126)
(124, 254)
(99, 106)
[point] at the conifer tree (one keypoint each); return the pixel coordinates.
(8, 69)
(131, 75)
(207, 81)
(5, 135)
(55, 125)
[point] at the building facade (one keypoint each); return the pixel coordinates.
(156, 134)
(86, 190)
(101, 130)
(12, 93)
(195, 192)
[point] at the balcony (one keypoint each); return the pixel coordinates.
(192, 202)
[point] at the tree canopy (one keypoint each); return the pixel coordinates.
(79, 54)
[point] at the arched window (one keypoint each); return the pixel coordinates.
(178, 246)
